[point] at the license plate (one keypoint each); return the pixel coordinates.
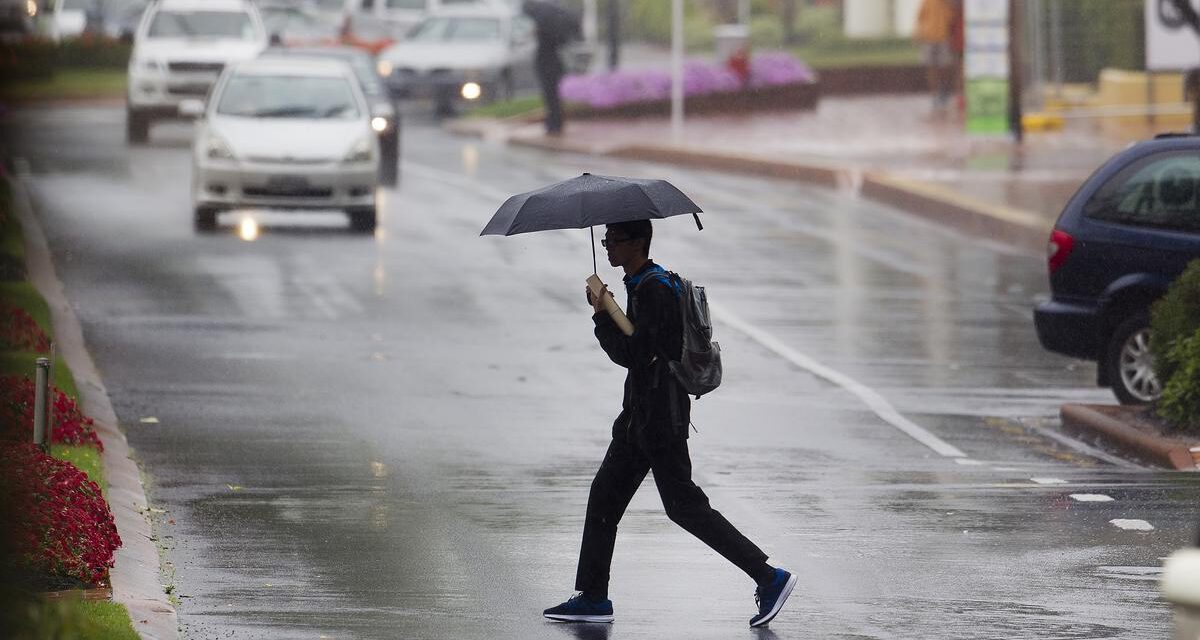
(287, 182)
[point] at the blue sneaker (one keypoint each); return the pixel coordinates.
(580, 609)
(770, 598)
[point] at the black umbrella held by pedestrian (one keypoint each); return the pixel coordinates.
(587, 201)
(555, 23)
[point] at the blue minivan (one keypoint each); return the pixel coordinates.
(1124, 236)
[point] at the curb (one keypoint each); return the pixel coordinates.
(1087, 420)
(135, 576)
(968, 215)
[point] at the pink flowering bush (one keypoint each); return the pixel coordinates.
(19, 332)
(617, 88)
(58, 521)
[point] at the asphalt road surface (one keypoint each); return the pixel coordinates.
(393, 436)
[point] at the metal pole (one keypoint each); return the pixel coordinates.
(1014, 71)
(1037, 62)
(1056, 46)
(677, 69)
(614, 34)
(41, 395)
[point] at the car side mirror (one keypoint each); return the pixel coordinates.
(191, 108)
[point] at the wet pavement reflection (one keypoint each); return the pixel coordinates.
(393, 436)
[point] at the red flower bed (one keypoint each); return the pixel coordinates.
(16, 415)
(18, 331)
(62, 525)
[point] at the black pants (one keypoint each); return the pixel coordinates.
(624, 467)
(550, 73)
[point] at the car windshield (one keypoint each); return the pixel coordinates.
(288, 96)
(202, 24)
(445, 29)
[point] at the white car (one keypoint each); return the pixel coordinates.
(468, 55)
(285, 133)
(179, 49)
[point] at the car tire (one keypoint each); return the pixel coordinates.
(389, 160)
(205, 218)
(1129, 363)
(362, 219)
(507, 89)
(137, 127)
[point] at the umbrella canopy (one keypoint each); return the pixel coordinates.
(589, 200)
(556, 24)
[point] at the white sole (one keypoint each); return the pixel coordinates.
(561, 618)
(783, 596)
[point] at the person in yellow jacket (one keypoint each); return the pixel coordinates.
(935, 32)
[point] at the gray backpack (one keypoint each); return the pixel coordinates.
(699, 366)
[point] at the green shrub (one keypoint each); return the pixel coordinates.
(1180, 402)
(766, 32)
(1173, 318)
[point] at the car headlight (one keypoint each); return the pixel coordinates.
(150, 64)
(379, 124)
(216, 148)
(384, 68)
(471, 90)
(361, 152)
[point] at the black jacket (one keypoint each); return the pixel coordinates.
(655, 406)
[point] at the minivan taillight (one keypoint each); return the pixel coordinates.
(1059, 248)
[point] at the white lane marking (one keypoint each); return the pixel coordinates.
(969, 462)
(1010, 469)
(1091, 497)
(880, 406)
(1048, 480)
(868, 396)
(1081, 447)
(1132, 525)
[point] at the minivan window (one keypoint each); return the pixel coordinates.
(1160, 191)
(418, 5)
(202, 24)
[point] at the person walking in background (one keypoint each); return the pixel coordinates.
(555, 27)
(935, 32)
(650, 434)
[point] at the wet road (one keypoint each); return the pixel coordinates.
(393, 437)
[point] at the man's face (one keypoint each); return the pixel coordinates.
(621, 248)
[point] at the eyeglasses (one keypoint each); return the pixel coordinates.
(605, 242)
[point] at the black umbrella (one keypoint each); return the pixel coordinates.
(556, 24)
(587, 201)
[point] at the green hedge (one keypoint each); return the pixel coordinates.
(1175, 343)
(39, 58)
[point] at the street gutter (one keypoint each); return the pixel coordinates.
(135, 575)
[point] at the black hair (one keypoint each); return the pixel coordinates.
(635, 229)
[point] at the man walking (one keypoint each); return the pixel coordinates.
(554, 28)
(650, 434)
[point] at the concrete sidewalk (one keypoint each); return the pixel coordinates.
(894, 148)
(897, 150)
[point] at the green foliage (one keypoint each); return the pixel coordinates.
(21, 364)
(1175, 343)
(650, 21)
(1173, 318)
(507, 108)
(41, 59)
(26, 617)
(85, 458)
(1180, 402)
(766, 32)
(68, 83)
(1097, 34)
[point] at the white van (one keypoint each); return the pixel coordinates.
(402, 15)
(179, 50)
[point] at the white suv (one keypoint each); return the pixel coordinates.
(179, 50)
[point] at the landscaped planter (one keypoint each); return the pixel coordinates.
(767, 81)
(803, 95)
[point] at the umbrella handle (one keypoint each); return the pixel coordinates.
(699, 227)
(593, 231)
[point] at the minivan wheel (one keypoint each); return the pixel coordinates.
(1130, 364)
(362, 219)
